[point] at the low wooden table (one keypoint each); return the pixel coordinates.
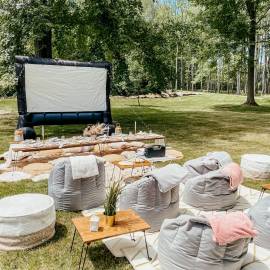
(73, 143)
(133, 165)
(127, 222)
(89, 142)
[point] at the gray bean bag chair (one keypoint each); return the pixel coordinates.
(155, 197)
(210, 191)
(211, 162)
(186, 243)
(76, 194)
(260, 215)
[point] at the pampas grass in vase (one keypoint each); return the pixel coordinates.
(112, 196)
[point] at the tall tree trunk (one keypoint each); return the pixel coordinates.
(238, 83)
(263, 74)
(181, 74)
(187, 76)
(43, 45)
(176, 68)
(251, 8)
(245, 87)
(43, 42)
(218, 78)
(192, 85)
(267, 74)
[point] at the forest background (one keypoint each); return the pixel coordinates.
(199, 45)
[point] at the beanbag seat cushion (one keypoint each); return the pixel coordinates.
(155, 197)
(26, 221)
(186, 243)
(211, 162)
(210, 191)
(76, 194)
(260, 215)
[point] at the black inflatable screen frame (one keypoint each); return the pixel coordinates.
(28, 119)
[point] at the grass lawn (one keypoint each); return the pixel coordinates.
(194, 124)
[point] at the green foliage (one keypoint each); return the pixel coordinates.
(139, 37)
(238, 23)
(216, 13)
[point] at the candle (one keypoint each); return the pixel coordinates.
(42, 132)
(94, 223)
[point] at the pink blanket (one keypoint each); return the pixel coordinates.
(231, 227)
(235, 173)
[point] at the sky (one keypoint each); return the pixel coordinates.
(170, 2)
(173, 3)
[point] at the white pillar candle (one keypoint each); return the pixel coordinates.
(43, 133)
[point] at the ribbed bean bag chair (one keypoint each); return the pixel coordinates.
(155, 197)
(76, 194)
(211, 162)
(256, 166)
(210, 191)
(186, 243)
(260, 215)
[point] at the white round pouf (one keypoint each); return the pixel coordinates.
(256, 166)
(26, 220)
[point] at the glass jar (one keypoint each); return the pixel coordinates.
(118, 129)
(18, 135)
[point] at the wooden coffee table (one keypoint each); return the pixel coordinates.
(127, 222)
(131, 165)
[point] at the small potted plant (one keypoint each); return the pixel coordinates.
(110, 203)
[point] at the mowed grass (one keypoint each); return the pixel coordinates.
(194, 125)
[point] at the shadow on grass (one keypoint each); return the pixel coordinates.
(191, 126)
(242, 108)
(60, 232)
(98, 255)
(145, 106)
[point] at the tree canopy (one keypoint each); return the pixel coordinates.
(210, 45)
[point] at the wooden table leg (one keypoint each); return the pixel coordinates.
(262, 193)
(14, 167)
(146, 246)
(81, 257)
(73, 239)
(132, 237)
(85, 256)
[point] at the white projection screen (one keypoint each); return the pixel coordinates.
(56, 88)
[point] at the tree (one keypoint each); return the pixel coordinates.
(26, 27)
(238, 23)
(140, 38)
